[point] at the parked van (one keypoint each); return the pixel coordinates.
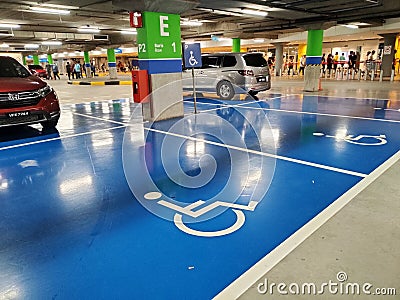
(227, 73)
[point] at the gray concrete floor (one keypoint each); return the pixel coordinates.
(69, 93)
(362, 239)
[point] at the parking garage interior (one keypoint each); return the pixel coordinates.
(290, 192)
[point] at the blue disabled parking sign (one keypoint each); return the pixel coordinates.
(192, 55)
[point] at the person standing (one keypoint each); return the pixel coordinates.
(55, 72)
(73, 73)
(335, 61)
(302, 64)
(329, 62)
(93, 69)
(342, 59)
(290, 65)
(367, 64)
(48, 70)
(77, 70)
(69, 70)
(83, 70)
(351, 60)
(323, 63)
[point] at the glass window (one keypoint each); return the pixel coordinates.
(255, 60)
(9, 67)
(211, 61)
(229, 61)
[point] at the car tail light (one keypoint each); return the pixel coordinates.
(246, 72)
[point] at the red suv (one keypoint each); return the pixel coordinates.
(38, 70)
(24, 98)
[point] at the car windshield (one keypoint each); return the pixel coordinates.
(9, 67)
(255, 60)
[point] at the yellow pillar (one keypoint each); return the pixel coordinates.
(300, 52)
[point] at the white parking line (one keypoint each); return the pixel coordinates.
(323, 114)
(247, 279)
(59, 138)
(293, 160)
(242, 105)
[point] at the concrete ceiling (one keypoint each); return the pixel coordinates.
(221, 17)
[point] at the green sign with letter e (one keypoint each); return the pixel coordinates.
(160, 36)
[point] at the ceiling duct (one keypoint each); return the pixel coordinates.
(171, 6)
(6, 33)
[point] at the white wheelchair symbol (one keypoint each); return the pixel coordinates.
(379, 139)
(189, 211)
(192, 59)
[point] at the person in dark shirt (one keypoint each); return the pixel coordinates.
(69, 70)
(329, 62)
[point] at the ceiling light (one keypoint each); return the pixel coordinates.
(128, 31)
(31, 46)
(89, 29)
(350, 26)
(259, 40)
(59, 6)
(46, 10)
(6, 34)
(191, 23)
(360, 23)
(52, 43)
(13, 26)
(4, 45)
(255, 12)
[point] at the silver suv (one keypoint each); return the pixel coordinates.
(228, 73)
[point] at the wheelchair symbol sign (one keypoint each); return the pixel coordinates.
(192, 55)
(190, 210)
(363, 139)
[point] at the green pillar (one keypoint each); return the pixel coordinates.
(36, 59)
(50, 59)
(24, 60)
(313, 60)
(314, 46)
(87, 64)
(112, 63)
(235, 45)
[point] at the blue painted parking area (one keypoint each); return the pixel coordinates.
(111, 207)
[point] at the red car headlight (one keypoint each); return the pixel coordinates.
(43, 92)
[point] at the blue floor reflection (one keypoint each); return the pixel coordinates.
(73, 229)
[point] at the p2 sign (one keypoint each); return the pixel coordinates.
(192, 55)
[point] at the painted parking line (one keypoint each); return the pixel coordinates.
(246, 280)
(99, 232)
(247, 106)
(60, 138)
(289, 159)
(94, 230)
(351, 161)
(322, 114)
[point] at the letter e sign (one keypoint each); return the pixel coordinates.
(163, 26)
